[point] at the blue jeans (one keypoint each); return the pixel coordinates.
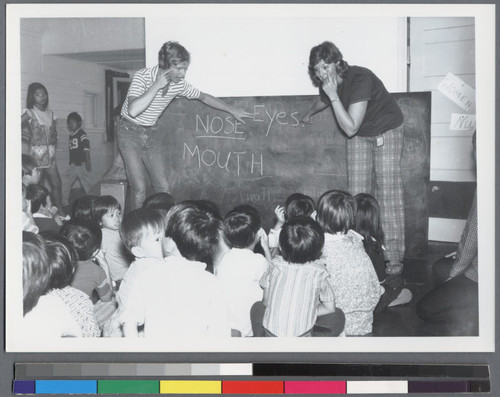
(142, 151)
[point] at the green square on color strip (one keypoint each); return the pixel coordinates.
(128, 386)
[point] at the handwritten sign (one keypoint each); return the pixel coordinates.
(459, 92)
(462, 122)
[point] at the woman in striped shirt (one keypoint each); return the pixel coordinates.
(150, 93)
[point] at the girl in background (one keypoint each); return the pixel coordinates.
(39, 136)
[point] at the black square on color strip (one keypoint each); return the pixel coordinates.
(480, 386)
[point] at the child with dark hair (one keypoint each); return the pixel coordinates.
(44, 315)
(160, 201)
(62, 265)
(79, 156)
(355, 283)
(41, 207)
(240, 269)
(222, 246)
(178, 298)
(81, 209)
(31, 173)
(88, 277)
(107, 213)
(298, 295)
(369, 225)
(297, 205)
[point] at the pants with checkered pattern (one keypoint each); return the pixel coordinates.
(377, 170)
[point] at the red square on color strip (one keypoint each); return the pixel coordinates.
(255, 387)
(315, 387)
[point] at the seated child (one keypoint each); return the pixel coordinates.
(81, 209)
(240, 269)
(62, 264)
(355, 283)
(107, 213)
(44, 315)
(296, 205)
(31, 173)
(139, 230)
(88, 277)
(29, 224)
(368, 225)
(41, 206)
(179, 298)
(298, 296)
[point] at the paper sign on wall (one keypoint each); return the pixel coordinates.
(462, 122)
(459, 92)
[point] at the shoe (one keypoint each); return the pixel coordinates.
(404, 296)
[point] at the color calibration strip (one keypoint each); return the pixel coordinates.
(32, 371)
(22, 387)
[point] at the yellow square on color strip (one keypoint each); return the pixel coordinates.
(190, 387)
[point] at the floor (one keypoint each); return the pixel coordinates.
(402, 320)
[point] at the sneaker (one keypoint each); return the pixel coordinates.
(404, 296)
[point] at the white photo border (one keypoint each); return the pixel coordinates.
(485, 93)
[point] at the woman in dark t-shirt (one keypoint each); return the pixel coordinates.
(372, 121)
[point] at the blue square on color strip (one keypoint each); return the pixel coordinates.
(66, 386)
(24, 387)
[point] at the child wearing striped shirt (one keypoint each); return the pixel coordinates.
(298, 297)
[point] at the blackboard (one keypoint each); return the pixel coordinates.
(209, 155)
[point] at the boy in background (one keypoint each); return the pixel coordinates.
(79, 156)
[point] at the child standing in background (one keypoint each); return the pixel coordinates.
(108, 214)
(355, 283)
(298, 296)
(179, 298)
(240, 269)
(40, 137)
(368, 225)
(79, 156)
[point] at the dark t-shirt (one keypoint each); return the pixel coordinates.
(78, 143)
(382, 113)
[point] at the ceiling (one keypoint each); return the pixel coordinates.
(133, 59)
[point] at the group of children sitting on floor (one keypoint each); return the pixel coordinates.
(183, 270)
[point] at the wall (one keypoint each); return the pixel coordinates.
(267, 54)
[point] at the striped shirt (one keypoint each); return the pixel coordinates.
(294, 292)
(142, 81)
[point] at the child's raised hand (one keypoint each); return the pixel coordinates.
(162, 78)
(280, 214)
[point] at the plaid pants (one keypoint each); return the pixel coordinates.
(376, 170)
